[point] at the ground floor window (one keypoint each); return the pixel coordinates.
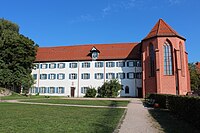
(51, 89)
(84, 89)
(42, 90)
(60, 90)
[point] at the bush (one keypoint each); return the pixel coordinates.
(109, 89)
(91, 92)
(185, 107)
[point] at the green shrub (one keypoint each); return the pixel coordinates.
(91, 92)
(185, 107)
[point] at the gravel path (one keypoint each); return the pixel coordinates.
(138, 120)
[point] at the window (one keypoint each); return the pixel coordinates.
(51, 90)
(98, 64)
(98, 75)
(130, 64)
(84, 89)
(182, 59)
(34, 90)
(61, 65)
(36, 66)
(60, 90)
(110, 75)
(167, 59)
(34, 76)
(130, 75)
(72, 65)
(110, 64)
(86, 65)
(61, 76)
(126, 90)
(120, 64)
(120, 75)
(43, 76)
(152, 60)
(43, 66)
(73, 76)
(85, 76)
(52, 65)
(52, 76)
(137, 75)
(42, 90)
(138, 63)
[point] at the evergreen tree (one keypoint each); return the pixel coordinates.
(17, 54)
(194, 77)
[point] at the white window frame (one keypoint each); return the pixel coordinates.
(120, 64)
(110, 75)
(51, 90)
(99, 64)
(61, 65)
(84, 90)
(110, 64)
(121, 75)
(73, 65)
(61, 76)
(42, 76)
(130, 75)
(44, 66)
(85, 76)
(98, 75)
(86, 65)
(61, 90)
(72, 76)
(52, 65)
(52, 76)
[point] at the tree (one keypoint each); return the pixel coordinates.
(194, 77)
(17, 54)
(109, 89)
(91, 92)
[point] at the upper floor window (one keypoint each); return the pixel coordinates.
(43, 76)
(130, 64)
(73, 76)
(121, 75)
(167, 59)
(43, 66)
(120, 64)
(85, 64)
(52, 76)
(61, 65)
(98, 64)
(110, 64)
(130, 75)
(34, 76)
(61, 76)
(36, 66)
(152, 60)
(52, 65)
(110, 75)
(138, 63)
(98, 75)
(85, 76)
(72, 65)
(138, 75)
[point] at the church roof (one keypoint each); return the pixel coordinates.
(162, 29)
(82, 52)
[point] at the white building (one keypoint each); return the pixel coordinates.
(69, 70)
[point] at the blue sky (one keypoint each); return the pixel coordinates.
(73, 22)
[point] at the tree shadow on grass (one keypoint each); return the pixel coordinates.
(171, 124)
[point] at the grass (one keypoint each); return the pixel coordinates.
(21, 118)
(170, 124)
(80, 102)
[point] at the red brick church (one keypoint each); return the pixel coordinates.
(165, 61)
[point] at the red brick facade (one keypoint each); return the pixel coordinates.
(179, 81)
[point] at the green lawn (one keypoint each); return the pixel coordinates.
(80, 102)
(21, 118)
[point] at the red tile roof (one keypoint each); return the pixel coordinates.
(161, 28)
(81, 52)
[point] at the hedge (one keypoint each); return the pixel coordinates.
(185, 107)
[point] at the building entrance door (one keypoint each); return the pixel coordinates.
(139, 92)
(72, 91)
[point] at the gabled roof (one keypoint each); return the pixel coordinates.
(82, 52)
(162, 29)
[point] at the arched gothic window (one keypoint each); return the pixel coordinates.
(167, 59)
(182, 59)
(152, 60)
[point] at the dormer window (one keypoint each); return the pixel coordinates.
(94, 53)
